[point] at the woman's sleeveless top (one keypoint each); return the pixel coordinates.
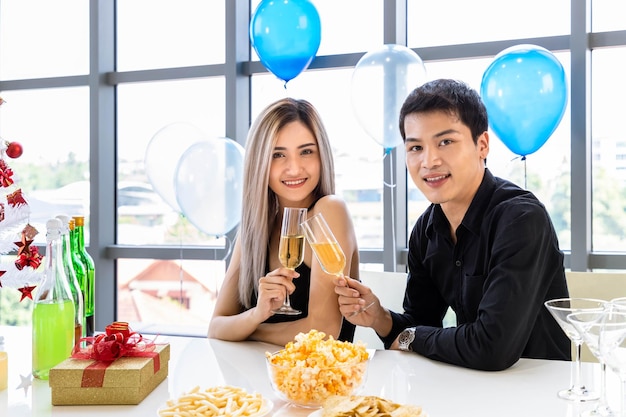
(300, 301)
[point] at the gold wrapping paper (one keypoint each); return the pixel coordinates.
(127, 380)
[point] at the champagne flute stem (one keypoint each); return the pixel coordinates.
(622, 410)
(602, 402)
(576, 380)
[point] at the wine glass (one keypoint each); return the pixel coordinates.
(589, 325)
(291, 248)
(612, 347)
(618, 304)
(560, 308)
(326, 248)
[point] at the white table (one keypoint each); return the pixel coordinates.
(526, 389)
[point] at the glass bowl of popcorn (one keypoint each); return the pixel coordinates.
(311, 369)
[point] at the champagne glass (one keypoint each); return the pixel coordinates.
(618, 304)
(560, 308)
(612, 347)
(291, 248)
(326, 248)
(589, 325)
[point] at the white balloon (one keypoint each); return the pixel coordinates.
(209, 185)
(162, 155)
(381, 81)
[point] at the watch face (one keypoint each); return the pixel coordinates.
(406, 338)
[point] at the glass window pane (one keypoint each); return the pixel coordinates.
(143, 110)
(53, 171)
(169, 33)
(358, 158)
(546, 172)
(168, 296)
(608, 15)
(608, 150)
(53, 38)
(362, 31)
(449, 22)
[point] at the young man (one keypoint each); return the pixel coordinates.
(484, 247)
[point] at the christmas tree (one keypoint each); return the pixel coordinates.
(16, 234)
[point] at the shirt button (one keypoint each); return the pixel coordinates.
(458, 263)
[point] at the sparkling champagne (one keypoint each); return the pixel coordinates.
(291, 251)
(330, 256)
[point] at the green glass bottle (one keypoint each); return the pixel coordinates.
(53, 309)
(88, 284)
(79, 269)
(75, 288)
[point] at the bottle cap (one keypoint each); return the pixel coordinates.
(54, 224)
(53, 227)
(66, 222)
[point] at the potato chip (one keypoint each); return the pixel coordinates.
(368, 406)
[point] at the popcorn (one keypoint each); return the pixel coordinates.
(311, 369)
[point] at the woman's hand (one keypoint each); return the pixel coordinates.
(273, 288)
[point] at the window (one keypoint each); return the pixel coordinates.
(86, 119)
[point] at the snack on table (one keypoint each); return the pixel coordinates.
(311, 369)
(216, 401)
(368, 406)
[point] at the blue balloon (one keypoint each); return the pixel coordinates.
(525, 93)
(286, 36)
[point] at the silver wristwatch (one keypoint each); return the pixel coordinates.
(405, 339)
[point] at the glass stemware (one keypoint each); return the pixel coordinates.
(612, 347)
(326, 248)
(618, 304)
(291, 248)
(589, 325)
(560, 308)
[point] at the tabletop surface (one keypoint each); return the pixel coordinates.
(528, 388)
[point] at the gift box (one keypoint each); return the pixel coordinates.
(126, 380)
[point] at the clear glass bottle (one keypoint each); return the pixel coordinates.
(53, 309)
(4, 366)
(89, 284)
(75, 288)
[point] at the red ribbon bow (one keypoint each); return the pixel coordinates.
(117, 341)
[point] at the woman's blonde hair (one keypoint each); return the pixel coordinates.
(260, 204)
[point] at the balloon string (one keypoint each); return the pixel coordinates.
(228, 246)
(180, 267)
(392, 186)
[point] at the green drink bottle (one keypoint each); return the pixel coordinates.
(77, 293)
(88, 284)
(53, 310)
(79, 269)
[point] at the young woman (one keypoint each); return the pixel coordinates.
(288, 163)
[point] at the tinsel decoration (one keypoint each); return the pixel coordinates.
(16, 234)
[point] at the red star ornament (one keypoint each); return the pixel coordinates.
(26, 292)
(23, 245)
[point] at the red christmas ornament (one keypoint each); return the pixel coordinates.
(2, 273)
(26, 292)
(16, 198)
(14, 150)
(23, 245)
(6, 174)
